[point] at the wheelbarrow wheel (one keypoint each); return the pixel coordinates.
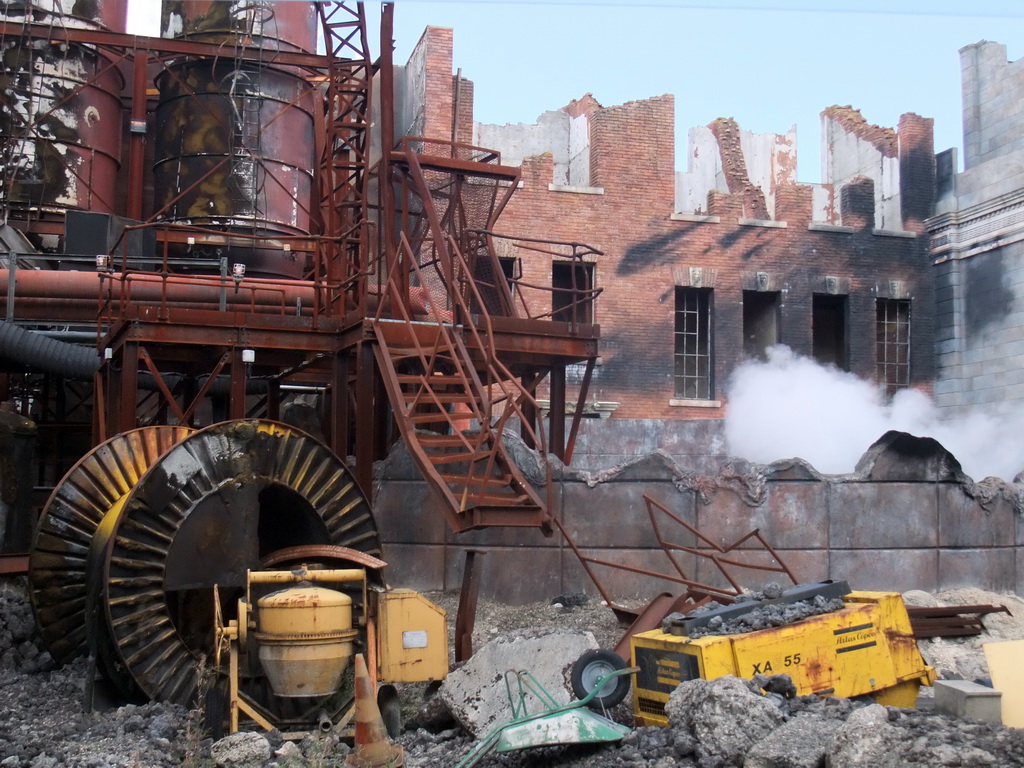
(589, 668)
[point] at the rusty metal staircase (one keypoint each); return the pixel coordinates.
(451, 405)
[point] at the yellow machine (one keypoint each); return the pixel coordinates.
(303, 635)
(866, 648)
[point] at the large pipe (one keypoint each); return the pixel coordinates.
(43, 353)
(44, 283)
(70, 296)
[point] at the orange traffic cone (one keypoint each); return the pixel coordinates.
(372, 748)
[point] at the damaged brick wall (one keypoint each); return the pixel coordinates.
(727, 132)
(649, 251)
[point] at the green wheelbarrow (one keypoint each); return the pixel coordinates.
(556, 724)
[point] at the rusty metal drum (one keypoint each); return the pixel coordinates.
(272, 26)
(235, 151)
(80, 14)
(63, 127)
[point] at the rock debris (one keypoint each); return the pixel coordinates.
(713, 724)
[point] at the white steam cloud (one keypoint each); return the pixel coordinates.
(790, 406)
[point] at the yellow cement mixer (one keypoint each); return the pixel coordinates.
(303, 635)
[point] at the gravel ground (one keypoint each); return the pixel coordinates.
(42, 723)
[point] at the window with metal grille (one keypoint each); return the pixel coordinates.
(892, 343)
(693, 344)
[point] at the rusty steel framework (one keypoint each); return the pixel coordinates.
(400, 316)
(383, 295)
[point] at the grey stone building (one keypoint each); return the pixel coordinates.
(977, 240)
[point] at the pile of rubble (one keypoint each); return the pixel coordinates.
(725, 722)
(732, 722)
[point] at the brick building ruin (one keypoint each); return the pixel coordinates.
(705, 268)
(701, 270)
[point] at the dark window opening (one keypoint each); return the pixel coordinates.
(512, 269)
(572, 282)
(693, 344)
(892, 344)
(760, 322)
(828, 331)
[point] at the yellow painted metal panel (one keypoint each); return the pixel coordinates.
(865, 648)
(412, 638)
(1008, 678)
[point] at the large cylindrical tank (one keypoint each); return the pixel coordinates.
(235, 151)
(285, 26)
(79, 14)
(61, 125)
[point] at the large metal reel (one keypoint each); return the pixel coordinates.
(57, 563)
(205, 513)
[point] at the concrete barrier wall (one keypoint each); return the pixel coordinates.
(876, 535)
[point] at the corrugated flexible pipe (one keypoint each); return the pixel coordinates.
(34, 350)
(73, 361)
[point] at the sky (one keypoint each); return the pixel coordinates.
(769, 64)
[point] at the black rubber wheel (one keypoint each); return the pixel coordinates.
(589, 668)
(217, 710)
(390, 710)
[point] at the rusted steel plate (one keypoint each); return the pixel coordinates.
(13, 563)
(951, 620)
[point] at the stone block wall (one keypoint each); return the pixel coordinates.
(875, 534)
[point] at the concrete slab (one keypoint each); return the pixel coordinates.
(963, 522)
(476, 694)
(882, 516)
(622, 584)
(747, 578)
(962, 698)
(512, 575)
(794, 516)
(419, 567)
(893, 569)
(505, 537)
(991, 569)
(615, 514)
(408, 513)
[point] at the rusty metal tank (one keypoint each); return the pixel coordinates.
(286, 26)
(235, 152)
(61, 133)
(83, 14)
(235, 147)
(305, 639)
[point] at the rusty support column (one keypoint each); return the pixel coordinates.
(274, 399)
(387, 132)
(577, 415)
(556, 438)
(529, 412)
(137, 136)
(338, 411)
(366, 430)
(465, 618)
(127, 390)
(236, 402)
(384, 424)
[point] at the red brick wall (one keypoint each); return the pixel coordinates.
(632, 157)
(439, 93)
